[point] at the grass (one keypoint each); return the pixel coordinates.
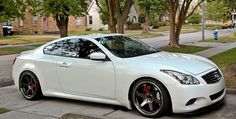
(188, 28)
(226, 61)
(144, 35)
(132, 33)
(25, 39)
(15, 50)
(226, 39)
(184, 49)
(3, 110)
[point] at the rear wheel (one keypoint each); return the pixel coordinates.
(29, 86)
(150, 98)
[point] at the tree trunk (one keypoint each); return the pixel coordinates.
(62, 24)
(120, 25)
(172, 40)
(146, 25)
(112, 28)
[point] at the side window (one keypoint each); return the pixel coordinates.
(87, 47)
(54, 48)
(72, 48)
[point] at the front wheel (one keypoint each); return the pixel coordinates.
(150, 98)
(29, 86)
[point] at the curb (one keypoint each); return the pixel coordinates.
(6, 83)
(79, 116)
(231, 91)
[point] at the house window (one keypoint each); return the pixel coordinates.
(90, 20)
(21, 22)
(78, 21)
(35, 20)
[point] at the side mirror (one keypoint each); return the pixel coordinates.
(97, 56)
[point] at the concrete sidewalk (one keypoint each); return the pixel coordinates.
(54, 108)
(216, 48)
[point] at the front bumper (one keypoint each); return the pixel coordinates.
(189, 98)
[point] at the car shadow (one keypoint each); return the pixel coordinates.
(199, 113)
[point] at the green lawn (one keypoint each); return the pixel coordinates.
(227, 62)
(15, 50)
(225, 59)
(226, 39)
(3, 110)
(132, 33)
(26, 39)
(187, 28)
(144, 35)
(184, 49)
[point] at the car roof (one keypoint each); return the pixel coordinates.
(94, 36)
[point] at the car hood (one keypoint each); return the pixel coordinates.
(186, 62)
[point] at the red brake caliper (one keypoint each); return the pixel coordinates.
(145, 89)
(34, 86)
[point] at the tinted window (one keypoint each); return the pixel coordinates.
(72, 48)
(54, 49)
(124, 47)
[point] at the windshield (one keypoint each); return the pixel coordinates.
(124, 47)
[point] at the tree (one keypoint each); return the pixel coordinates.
(178, 13)
(10, 9)
(231, 4)
(195, 18)
(115, 13)
(150, 8)
(216, 10)
(60, 10)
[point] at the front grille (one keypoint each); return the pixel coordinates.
(212, 77)
(216, 95)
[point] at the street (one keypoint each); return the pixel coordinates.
(51, 108)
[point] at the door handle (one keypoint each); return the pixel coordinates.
(64, 64)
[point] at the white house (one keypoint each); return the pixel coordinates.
(94, 21)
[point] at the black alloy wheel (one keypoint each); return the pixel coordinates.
(29, 86)
(150, 98)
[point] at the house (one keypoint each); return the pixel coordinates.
(94, 21)
(43, 24)
(46, 24)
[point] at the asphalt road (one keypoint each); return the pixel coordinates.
(52, 108)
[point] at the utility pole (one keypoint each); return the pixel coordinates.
(203, 20)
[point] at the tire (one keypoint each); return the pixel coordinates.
(29, 86)
(150, 98)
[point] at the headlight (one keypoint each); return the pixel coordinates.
(182, 78)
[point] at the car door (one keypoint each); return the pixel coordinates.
(82, 76)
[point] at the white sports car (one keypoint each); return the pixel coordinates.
(115, 69)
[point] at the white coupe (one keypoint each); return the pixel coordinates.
(118, 70)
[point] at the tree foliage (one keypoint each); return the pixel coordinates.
(216, 10)
(60, 10)
(195, 18)
(10, 9)
(230, 4)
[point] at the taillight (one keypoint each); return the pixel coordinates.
(15, 59)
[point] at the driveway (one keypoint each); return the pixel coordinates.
(51, 108)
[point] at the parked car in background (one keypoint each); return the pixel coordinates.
(227, 25)
(116, 69)
(7, 30)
